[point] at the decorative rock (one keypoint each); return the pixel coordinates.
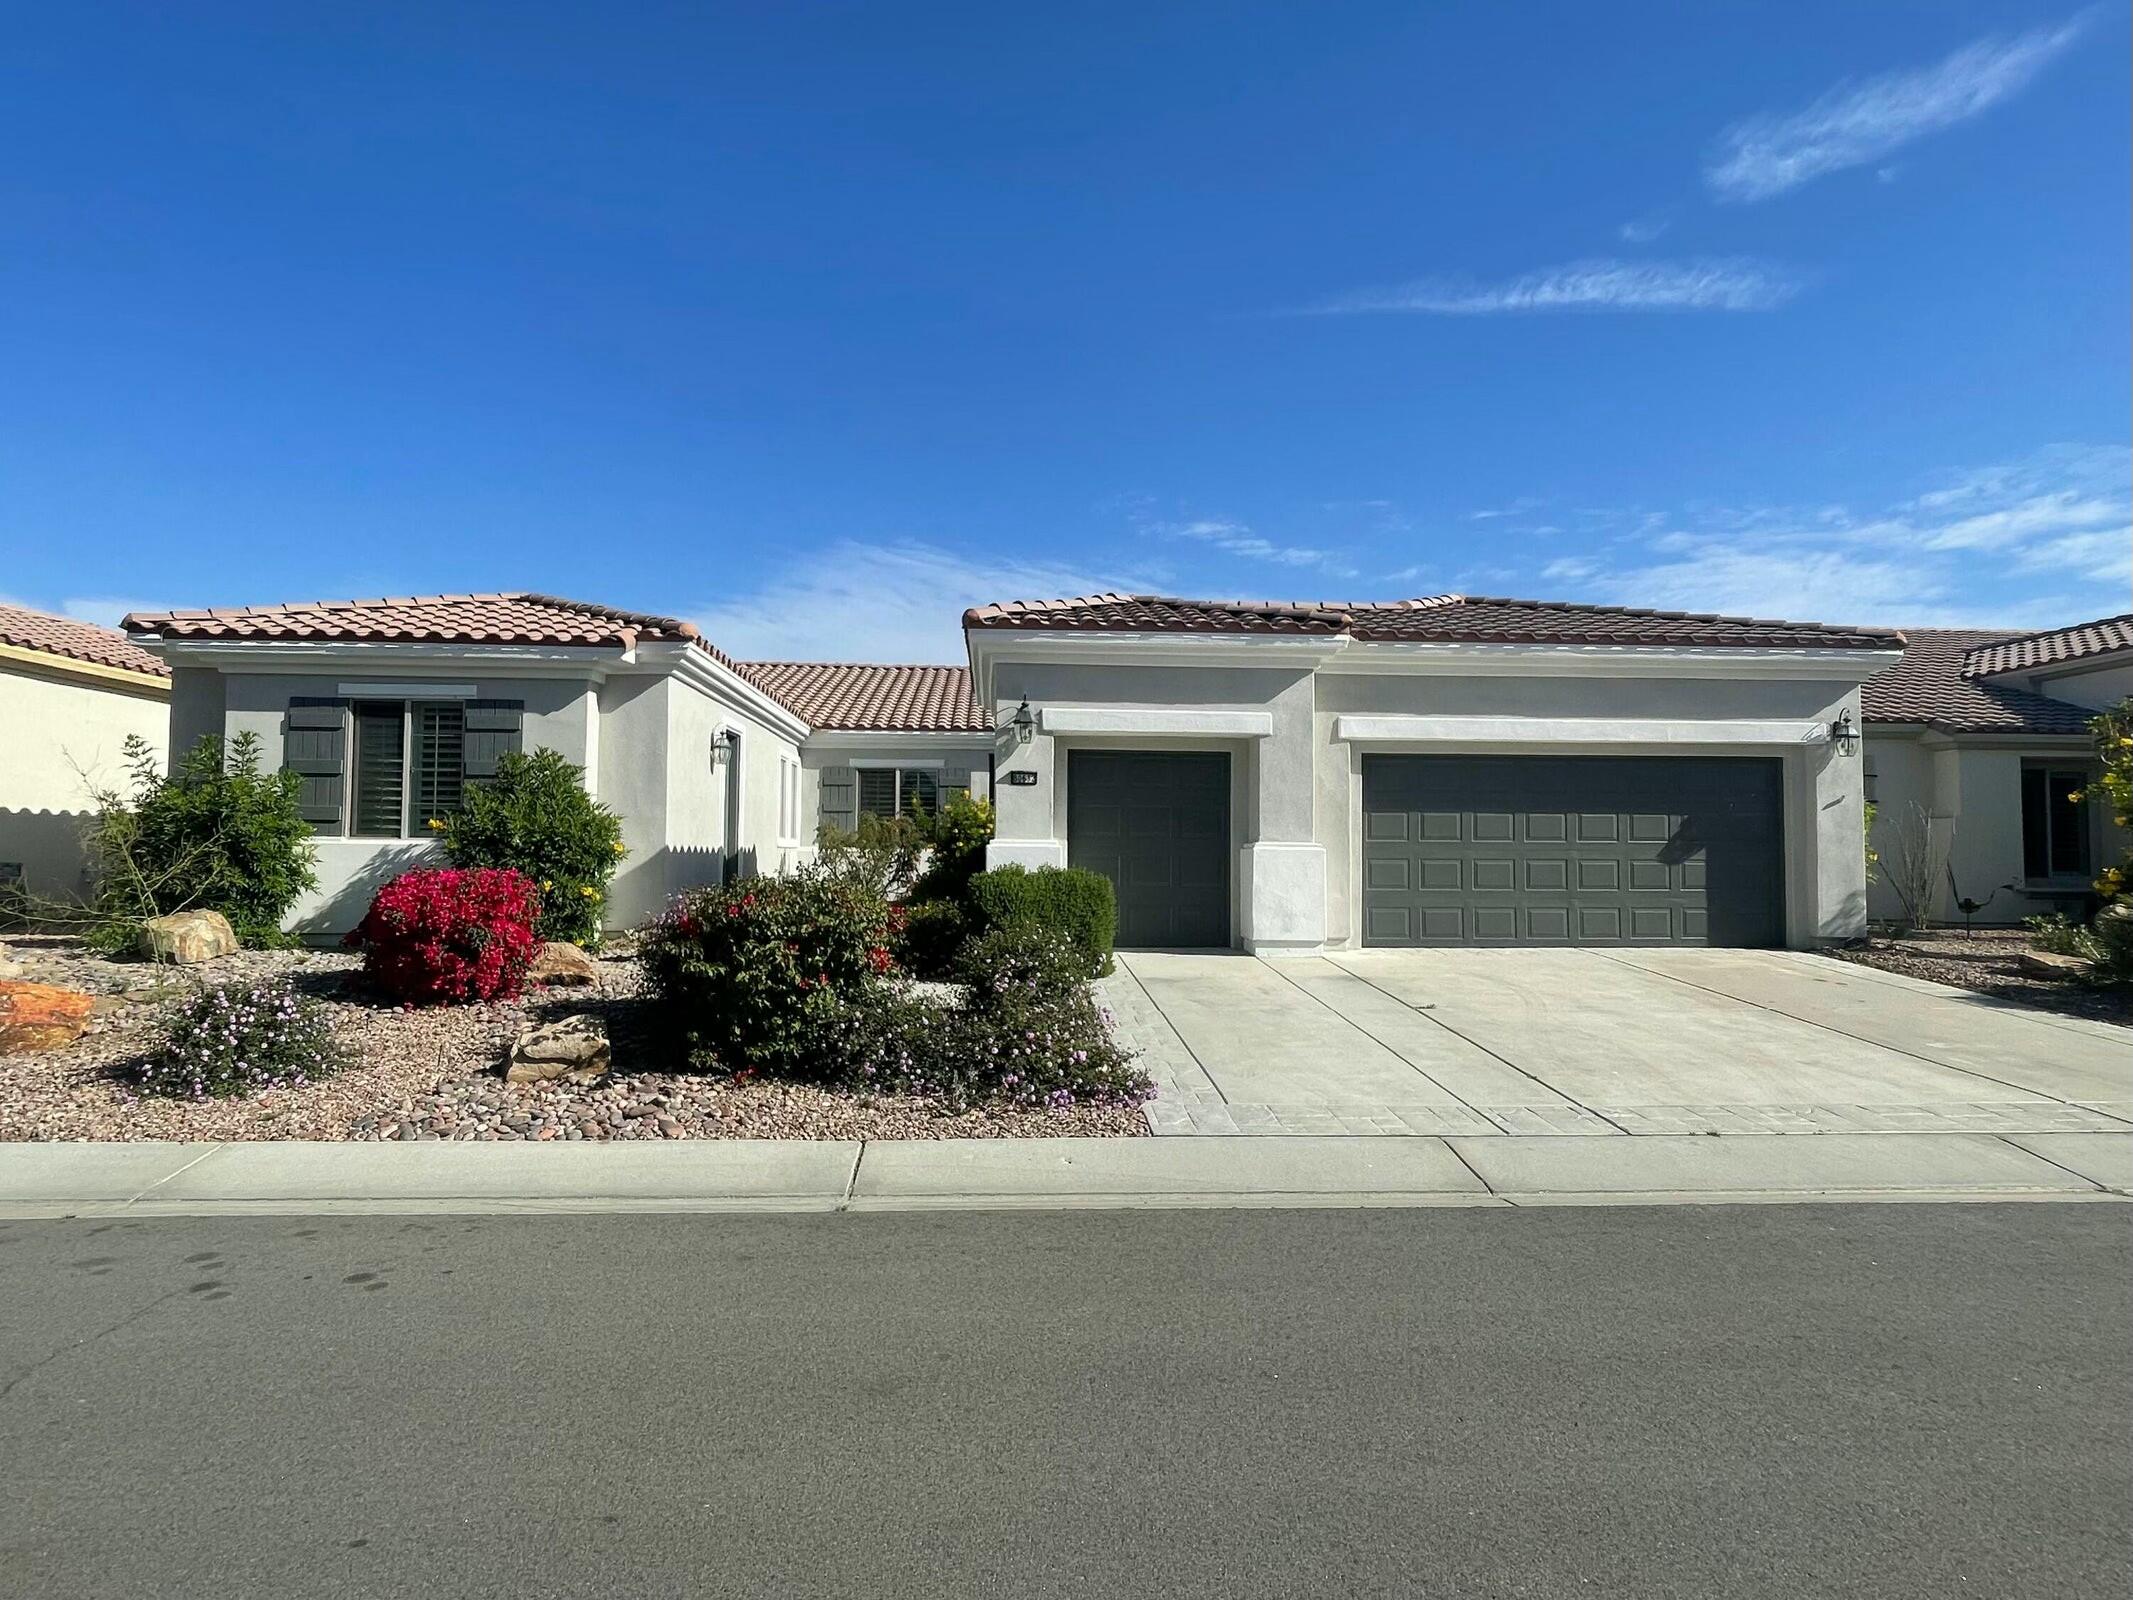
(9, 966)
(188, 937)
(563, 966)
(2047, 964)
(41, 1016)
(575, 1048)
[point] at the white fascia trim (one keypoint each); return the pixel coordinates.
(898, 763)
(1573, 730)
(1610, 661)
(989, 645)
(701, 670)
(286, 655)
(892, 739)
(1107, 719)
(413, 690)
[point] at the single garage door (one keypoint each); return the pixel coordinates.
(1572, 850)
(1156, 823)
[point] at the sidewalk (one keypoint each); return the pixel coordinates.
(62, 1180)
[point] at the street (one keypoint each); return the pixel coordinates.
(1885, 1400)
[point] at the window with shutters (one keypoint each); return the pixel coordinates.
(898, 791)
(382, 769)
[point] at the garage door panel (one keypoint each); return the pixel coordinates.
(1573, 850)
(1156, 823)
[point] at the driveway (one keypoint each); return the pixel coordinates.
(1602, 1042)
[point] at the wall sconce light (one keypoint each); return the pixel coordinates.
(1023, 723)
(1844, 734)
(722, 743)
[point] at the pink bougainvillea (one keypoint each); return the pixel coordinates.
(446, 937)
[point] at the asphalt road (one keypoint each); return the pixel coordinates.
(1754, 1400)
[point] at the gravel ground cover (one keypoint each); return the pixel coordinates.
(433, 1074)
(1985, 961)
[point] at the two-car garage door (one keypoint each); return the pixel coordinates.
(1572, 850)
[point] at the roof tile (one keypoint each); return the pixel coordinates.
(1929, 686)
(865, 696)
(2101, 637)
(78, 641)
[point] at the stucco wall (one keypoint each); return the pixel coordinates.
(1297, 802)
(63, 734)
(817, 755)
(2098, 688)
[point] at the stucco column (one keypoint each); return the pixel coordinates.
(1026, 830)
(1281, 872)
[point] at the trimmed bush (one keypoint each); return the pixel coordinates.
(446, 936)
(217, 834)
(750, 974)
(535, 817)
(931, 935)
(880, 855)
(239, 1038)
(1071, 901)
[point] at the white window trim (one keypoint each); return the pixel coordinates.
(789, 807)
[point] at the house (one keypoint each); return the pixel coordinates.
(1976, 743)
(70, 694)
(390, 707)
(1297, 776)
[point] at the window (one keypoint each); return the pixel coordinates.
(381, 769)
(2055, 826)
(895, 791)
(788, 800)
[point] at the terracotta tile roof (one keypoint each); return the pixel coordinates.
(2102, 637)
(1929, 685)
(78, 641)
(1448, 618)
(511, 618)
(853, 695)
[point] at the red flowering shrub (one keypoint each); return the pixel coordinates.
(445, 937)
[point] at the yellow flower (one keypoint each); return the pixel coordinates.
(545, 884)
(588, 891)
(435, 824)
(2074, 795)
(619, 845)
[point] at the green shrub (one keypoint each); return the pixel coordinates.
(751, 974)
(535, 817)
(1071, 901)
(933, 932)
(217, 834)
(959, 833)
(2055, 933)
(1025, 957)
(880, 855)
(238, 1038)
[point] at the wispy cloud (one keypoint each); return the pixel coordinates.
(862, 602)
(1859, 123)
(1235, 538)
(2059, 521)
(1713, 284)
(1643, 230)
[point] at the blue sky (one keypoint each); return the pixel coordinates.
(818, 322)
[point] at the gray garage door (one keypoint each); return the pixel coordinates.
(1572, 850)
(1157, 825)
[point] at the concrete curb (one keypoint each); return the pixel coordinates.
(61, 1180)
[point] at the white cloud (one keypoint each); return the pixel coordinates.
(1643, 230)
(1859, 123)
(1237, 539)
(1567, 569)
(862, 602)
(1716, 284)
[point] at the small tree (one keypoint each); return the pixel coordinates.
(1916, 864)
(535, 817)
(2114, 748)
(217, 834)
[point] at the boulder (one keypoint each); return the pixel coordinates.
(575, 1048)
(9, 966)
(41, 1016)
(2048, 964)
(563, 966)
(188, 937)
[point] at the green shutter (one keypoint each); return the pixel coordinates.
(314, 746)
(493, 728)
(840, 798)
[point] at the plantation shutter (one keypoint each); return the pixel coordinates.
(921, 792)
(380, 768)
(314, 747)
(493, 728)
(440, 739)
(955, 779)
(877, 791)
(840, 797)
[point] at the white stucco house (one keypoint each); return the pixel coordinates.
(390, 707)
(1976, 742)
(70, 694)
(1281, 777)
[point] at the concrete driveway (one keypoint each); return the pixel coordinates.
(1602, 1042)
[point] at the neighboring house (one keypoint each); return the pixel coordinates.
(389, 708)
(70, 693)
(1452, 770)
(1976, 741)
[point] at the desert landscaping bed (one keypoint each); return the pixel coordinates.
(435, 1073)
(1988, 962)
